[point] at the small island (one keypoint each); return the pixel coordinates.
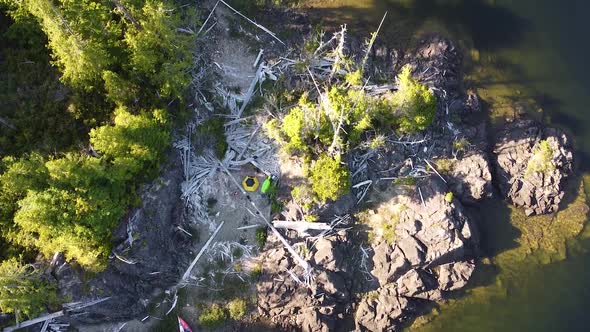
(251, 179)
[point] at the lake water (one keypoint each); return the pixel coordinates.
(522, 54)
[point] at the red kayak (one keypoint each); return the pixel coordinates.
(183, 326)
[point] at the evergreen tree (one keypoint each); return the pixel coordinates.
(22, 289)
(158, 51)
(82, 37)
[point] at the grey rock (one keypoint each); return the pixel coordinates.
(471, 179)
(538, 192)
(412, 249)
(384, 310)
(454, 276)
(319, 307)
(389, 263)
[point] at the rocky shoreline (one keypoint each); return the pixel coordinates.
(362, 283)
(436, 243)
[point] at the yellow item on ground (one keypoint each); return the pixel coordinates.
(250, 183)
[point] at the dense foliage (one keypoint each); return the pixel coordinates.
(22, 289)
(213, 316)
(413, 102)
(71, 204)
(329, 178)
(70, 165)
(340, 120)
(237, 308)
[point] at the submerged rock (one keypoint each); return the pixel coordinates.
(532, 163)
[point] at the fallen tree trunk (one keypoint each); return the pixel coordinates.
(301, 226)
(52, 315)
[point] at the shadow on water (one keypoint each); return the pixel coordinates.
(490, 27)
(497, 234)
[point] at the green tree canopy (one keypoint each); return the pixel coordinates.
(22, 289)
(76, 214)
(157, 50)
(82, 36)
(134, 142)
(329, 179)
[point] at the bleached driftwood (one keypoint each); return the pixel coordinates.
(131, 227)
(258, 57)
(188, 271)
(256, 24)
(248, 142)
(174, 301)
(45, 326)
(54, 315)
(365, 258)
(248, 227)
(370, 46)
(184, 231)
(306, 267)
(421, 197)
(208, 17)
(225, 251)
(124, 260)
(435, 171)
(301, 226)
(364, 183)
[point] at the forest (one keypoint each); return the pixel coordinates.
(89, 93)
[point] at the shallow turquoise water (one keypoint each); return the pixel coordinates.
(527, 50)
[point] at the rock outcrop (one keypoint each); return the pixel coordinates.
(432, 255)
(532, 163)
(155, 256)
(319, 307)
(471, 179)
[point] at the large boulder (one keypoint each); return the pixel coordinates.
(319, 306)
(383, 310)
(431, 256)
(471, 179)
(532, 163)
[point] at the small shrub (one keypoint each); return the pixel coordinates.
(261, 235)
(329, 179)
(213, 317)
(461, 144)
(311, 217)
(237, 253)
(444, 166)
(237, 309)
(541, 159)
(354, 78)
(256, 272)
(377, 142)
(416, 104)
(406, 181)
(303, 196)
(388, 232)
(273, 130)
(449, 197)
